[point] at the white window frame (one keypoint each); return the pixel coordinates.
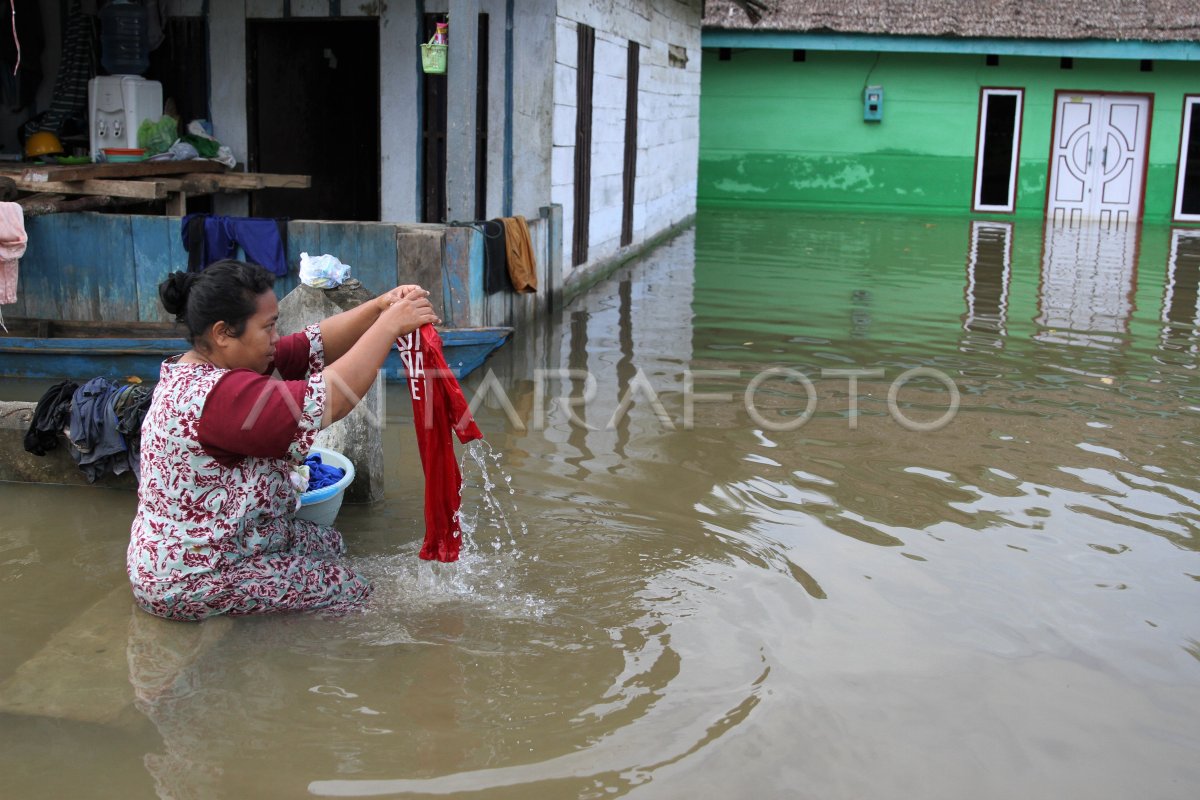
(984, 95)
(1190, 101)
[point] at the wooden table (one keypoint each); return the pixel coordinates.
(50, 188)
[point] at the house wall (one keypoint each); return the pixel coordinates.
(778, 132)
(668, 120)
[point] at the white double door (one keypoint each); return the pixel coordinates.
(1099, 158)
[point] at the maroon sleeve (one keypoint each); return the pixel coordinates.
(291, 357)
(247, 414)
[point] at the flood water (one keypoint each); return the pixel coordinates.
(746, 552)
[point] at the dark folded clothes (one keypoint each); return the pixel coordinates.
(99, 447)
(49, 418)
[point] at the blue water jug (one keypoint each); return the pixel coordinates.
(124, 38)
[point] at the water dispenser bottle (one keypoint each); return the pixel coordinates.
(124, 38)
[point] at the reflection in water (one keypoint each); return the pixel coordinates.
(1089, 274)
(989, 263)
(728, 607)
(1181, 302)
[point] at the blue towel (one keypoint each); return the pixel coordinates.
(321, 475)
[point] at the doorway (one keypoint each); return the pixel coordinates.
(313, 100)
(1098, 158)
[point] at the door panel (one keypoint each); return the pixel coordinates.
(1099, 158)
(314, 110)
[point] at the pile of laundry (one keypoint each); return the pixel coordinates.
(102, 423)
(313, 474)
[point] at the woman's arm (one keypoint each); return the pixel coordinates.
(341, 331)
(349, 378)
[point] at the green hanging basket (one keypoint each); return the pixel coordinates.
(433, 58)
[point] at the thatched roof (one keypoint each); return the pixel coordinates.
(1146, 20)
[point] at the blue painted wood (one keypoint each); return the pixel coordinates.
(88, 266)
(153, 261)
(377, 258)
(31, 357)
(1054, 48)
(39, 281)
(456, 265)
(465, 350)
(304, 236)
(475, 278)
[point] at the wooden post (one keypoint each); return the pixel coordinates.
(461, 72)
(176, 204)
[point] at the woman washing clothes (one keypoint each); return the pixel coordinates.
(215, 531)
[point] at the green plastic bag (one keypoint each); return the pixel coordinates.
(207, 148)
(157, 136)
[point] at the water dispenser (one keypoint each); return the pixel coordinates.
(117, 105)
(119, 102)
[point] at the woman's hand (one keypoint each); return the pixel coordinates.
(407, 311)
(399, 293)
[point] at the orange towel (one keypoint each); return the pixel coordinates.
(522, 266)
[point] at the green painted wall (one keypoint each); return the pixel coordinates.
(779, 133)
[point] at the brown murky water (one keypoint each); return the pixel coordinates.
(841, 591)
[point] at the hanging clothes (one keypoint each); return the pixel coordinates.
(439, 411)
(13, 241)
(209, 238)
(522, 266)
(68, 111)
(495, 256)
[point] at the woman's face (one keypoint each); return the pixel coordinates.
(255, 348)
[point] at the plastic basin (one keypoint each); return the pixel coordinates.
(322, 505)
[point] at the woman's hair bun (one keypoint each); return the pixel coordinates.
(174, 292)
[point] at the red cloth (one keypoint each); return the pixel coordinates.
(439, 408)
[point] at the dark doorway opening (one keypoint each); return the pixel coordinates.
(313, 98)
(1189, 193)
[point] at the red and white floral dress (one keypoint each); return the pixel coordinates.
(215, 531)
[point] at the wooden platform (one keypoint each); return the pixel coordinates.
(51, 188)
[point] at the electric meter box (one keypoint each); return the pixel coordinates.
(117, 105)
(873, 104)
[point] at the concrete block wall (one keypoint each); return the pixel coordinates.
(668, 32)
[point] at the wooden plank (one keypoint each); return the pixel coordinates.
(113, 188)
(151, 261)
(419, 258)
(304, 236)
(38, 327)
(49, 173)
(176, 205)
(38, 204)
(39, 277)
(377, 258)
(113, 270)
(231, 182)
(456, 278)
(240, 181)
